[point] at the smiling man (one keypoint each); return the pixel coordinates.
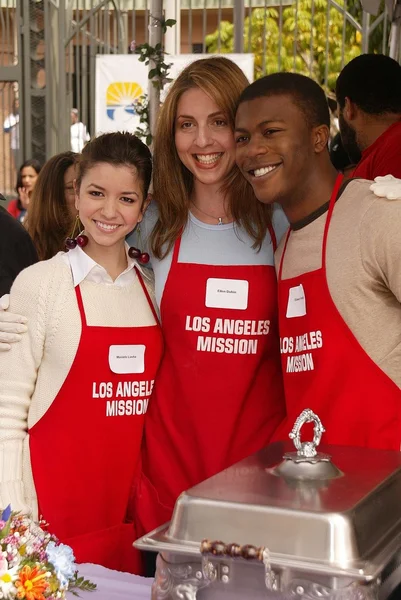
(338, 268)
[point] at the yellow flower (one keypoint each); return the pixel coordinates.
(31, 584)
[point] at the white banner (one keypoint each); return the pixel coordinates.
(121, 79)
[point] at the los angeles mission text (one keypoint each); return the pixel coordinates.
(248, 331)
(136, 396)
(294, 348)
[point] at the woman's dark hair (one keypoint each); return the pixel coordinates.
(31, 162)
(49, 220)
(119, 149)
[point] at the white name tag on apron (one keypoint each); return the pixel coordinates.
(296, 306)
(227, 293)
(127, 359)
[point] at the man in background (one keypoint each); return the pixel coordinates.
(368, 93)
(79, 133)
(11, 126)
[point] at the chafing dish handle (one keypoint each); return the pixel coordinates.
(247, 552)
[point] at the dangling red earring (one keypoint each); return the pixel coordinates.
(81, 240)
(142, 257)
(70, 243)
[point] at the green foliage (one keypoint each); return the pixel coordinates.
(158, 75)
(80, 583)
(310, 31)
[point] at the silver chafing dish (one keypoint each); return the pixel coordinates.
(283, 525)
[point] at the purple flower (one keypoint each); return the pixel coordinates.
(132, 46)
(6, 513)
(2, 524)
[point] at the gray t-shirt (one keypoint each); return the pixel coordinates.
(207, 245)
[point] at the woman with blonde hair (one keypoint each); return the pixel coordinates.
(218, 396)
(52, 211)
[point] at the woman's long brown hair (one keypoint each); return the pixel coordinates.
(49, 222)
(224, 82)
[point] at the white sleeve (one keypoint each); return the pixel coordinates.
(83, 134)
(18, 373)
(9, 123)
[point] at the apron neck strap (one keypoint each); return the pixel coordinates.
(148, 298)
(332, 202)
(80, 305)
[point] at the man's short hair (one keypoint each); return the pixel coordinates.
(372, 82)
(305, 93)
(75, 112)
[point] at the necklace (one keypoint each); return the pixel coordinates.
(219, 219)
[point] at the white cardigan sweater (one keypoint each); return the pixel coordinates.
(33, 371)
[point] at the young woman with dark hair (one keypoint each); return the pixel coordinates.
(75, 390)
(27, 176)
(52, 211)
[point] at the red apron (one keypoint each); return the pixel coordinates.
(326, 369)
(86, 447)
(218, 396)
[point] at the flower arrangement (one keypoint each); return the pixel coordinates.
(33, 564)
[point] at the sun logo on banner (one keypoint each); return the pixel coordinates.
(121, 97)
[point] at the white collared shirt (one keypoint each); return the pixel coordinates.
(84, 267)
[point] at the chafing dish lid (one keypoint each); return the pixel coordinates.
(344, 518)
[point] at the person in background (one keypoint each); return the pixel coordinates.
(52, 211)
(339, 277)
(368, 92)
(11, 126)
(26, 180)
(16, 253)
(79, 133)
(74, 391)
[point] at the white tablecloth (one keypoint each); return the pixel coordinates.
(112, 585)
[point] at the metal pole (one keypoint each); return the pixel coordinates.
(155, 37)
(365, 32)
(172, 38)
(25, 97)
(239, 18)
(49, 118)
(395, 32)
(64, 122)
